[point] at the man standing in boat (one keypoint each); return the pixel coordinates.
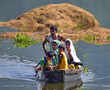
(49, 38)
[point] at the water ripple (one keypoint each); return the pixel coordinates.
(12, 68)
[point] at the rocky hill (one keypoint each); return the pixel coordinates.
(64, 16)
(73, 22)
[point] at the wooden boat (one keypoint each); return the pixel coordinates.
(59, 75)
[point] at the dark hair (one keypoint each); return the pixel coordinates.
(50, 54)
(54, 42)
(53, 28)
(67, 41)
(61, 47)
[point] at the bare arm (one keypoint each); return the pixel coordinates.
(43, 44)
(61, 38)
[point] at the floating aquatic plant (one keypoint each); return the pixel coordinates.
(85, 55)
(0, 40)
(85, 68)
(90, 38)
(83, 89)
(23, 41)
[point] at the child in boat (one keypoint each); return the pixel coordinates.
(55, 44)
(47, 62)
(63, 63)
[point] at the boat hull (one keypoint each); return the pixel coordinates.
(58, 76)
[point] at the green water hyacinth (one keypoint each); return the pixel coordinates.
(83, 89)
(23, 41)
(79, 27)
(85, 68)
(90, 38)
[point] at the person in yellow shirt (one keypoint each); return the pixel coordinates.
(63, 63)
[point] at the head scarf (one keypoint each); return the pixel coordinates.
(73, 52)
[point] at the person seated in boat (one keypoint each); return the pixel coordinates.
(46, 63)
(71, 54)
(49, 38)
(55, 44)
(49, 61)
(63, 63)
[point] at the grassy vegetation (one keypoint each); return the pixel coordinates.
(65, 25)
(108, 38)
(83, 89)
(59, 30)
(85, 68)
(23, 41)
(3, 21)
(90, 38)
(0, 40)
(79, 27)
(25, 27)
(85, 55)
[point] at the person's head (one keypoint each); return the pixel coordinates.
(61, 48)
(67, 42)
(50, 55)
(53, 30)
(55, 44)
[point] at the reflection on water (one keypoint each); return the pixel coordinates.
(59, 86)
